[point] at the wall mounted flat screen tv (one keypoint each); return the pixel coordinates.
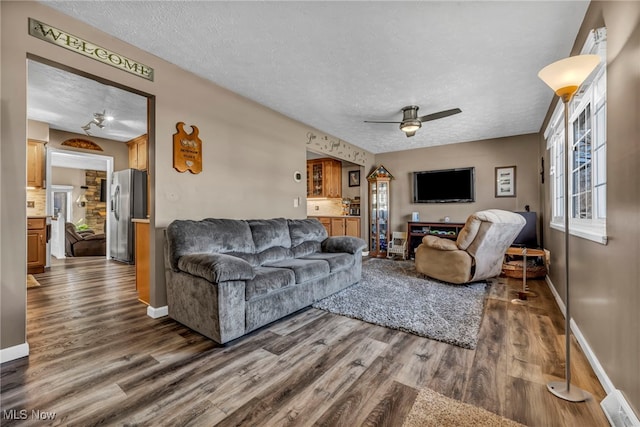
(444, 186)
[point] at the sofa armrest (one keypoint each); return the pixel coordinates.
(216, 268)
(440, 243)
(346, 244)
(90, 237)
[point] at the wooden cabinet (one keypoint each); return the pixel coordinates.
(35, 163)
(324, 178)
(417, 230)
(337, 227)
(142, 259)
(352, 227)
(36, 244)
(341, 226)
(379, 210)
(138, 157)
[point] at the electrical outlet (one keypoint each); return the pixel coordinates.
(316, 207)
(31, 204)
(296, 202)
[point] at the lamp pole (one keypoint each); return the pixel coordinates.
(565, 77)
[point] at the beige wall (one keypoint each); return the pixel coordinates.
(485, 156)
(605, 279)
(248, 166)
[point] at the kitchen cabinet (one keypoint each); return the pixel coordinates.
(341, 226)
(37, 237)
(138, 157)
(337, 227)
(379, 211)
(352, 227)
(324, 178)
(35, 163)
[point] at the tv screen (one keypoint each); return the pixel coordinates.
(528, 236)
(444, 186)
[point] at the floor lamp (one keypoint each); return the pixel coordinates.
(565, 77)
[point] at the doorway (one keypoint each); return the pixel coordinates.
(99, 115)
(62, 211)
(63, 193)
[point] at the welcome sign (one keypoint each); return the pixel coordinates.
(68, 41)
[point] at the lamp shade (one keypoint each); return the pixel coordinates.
(566, 76)
(410, 125)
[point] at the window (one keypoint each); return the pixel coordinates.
(588, 149)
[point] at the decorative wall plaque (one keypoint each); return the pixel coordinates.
(82, 143)
(83, 47)
(187, 150)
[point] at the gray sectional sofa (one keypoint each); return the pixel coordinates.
(226, 277)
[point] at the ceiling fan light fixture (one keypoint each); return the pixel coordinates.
(409, 126)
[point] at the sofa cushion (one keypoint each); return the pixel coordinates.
(346, 244)
(216, 268)
(304, 230)
(269, 233)
(268, 279)
(306, 248)
(304, 269)
(210, 235)
(337, 261)
(274, 254)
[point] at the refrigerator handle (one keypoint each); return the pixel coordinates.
(115, 202)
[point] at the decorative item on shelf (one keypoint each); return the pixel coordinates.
(187, 150)
(82, 143)
(565, 77)
(81, 201)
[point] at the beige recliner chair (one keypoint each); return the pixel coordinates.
(476, 254)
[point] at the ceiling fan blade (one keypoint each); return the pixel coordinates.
(440, 115)
(410, 133)
(371, 121)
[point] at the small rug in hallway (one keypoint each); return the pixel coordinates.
(32, 282)
(432, 409)
(392, 294)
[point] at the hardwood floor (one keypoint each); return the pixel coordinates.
(97, 359)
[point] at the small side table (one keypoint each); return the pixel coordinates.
(523, 252)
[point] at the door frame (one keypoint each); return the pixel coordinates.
(77, 160)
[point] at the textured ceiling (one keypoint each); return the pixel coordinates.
(67, 102)
(333, 65)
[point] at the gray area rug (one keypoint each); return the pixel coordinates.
(392, 294)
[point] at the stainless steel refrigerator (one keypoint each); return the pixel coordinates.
(128, 200)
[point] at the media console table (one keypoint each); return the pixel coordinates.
(417, 230)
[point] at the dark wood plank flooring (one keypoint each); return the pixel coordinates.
(97, 359)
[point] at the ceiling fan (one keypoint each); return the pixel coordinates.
(411, 122)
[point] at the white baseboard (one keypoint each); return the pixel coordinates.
(157, 312)
(604, 379)
(12, 353)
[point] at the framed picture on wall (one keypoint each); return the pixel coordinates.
(354, 178)
(506, 181)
